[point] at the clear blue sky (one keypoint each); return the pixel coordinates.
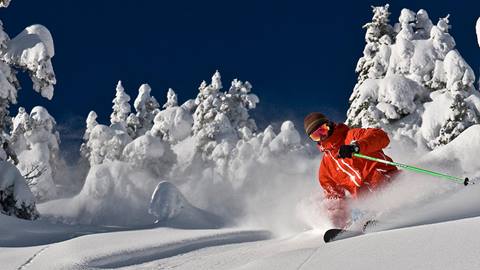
(299, 55)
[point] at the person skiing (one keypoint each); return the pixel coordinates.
(340, 173)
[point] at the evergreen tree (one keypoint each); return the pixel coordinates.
(121, 107)
(171, 99)
(91, 122)
(146, 107)
(403, 87)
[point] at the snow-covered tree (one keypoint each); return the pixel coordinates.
(461, 117)
(21, 123)
(379, 34)
(37, 146)
(146, 107)
(397, 94)
(91, 122)
(121, 107)
(150, 153)
(4, 3)
(30, 51)
(15, 195)
(103, 143)
(221, 116)
(423, 25)
(133, 125)
(173, 124)
(238, 101)
(106, 144)
(171, 99)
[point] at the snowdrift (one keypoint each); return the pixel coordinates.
(121, 195)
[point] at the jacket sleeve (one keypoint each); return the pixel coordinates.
(370, 139)
(330, 188)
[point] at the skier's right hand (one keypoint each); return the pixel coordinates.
(347, 151)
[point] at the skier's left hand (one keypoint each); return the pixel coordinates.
(347, 151)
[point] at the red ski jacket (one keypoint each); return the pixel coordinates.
(354, 175)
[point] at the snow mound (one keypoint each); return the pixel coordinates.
(117, 193)
(461, 151)
(171, 208)
(114, 193)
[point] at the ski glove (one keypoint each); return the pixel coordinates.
(347, 151)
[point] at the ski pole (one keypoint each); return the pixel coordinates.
(415, 169)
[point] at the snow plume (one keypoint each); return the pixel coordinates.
(406, 74)
(415, 198)
(216, 165)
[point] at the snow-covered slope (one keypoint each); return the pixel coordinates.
(450, 245)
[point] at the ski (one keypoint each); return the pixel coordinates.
(338, 234)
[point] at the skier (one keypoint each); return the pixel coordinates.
(339, 171)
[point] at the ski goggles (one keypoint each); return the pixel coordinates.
(319, 133)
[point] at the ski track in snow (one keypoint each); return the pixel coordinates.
(164, 251)
(29, 261)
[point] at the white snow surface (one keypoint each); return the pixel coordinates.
(424, 223)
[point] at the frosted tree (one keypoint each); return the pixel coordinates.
(39, 159)
(4, 3)
(150, 153)
(423, 25)
(106, 144)
(21, 122)
(424, 89)
(374, 62)
(221, 119)
(15, 196)
(146, 107)
(173, 124)
(133, 125)
(30, 51)
(91, 122)
(379, 34)
(460, 118)
(238, 101)
(121, 106)
(224, 114)
(171, 99)
(208, 103)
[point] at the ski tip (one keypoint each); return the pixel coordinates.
(338, 234)
(330, 234)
